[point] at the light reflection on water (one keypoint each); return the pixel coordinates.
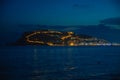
(67, 66)
(61, 63)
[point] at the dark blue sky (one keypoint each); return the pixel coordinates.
(57, 12)
(86, 14)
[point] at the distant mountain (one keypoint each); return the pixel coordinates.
(108, 32)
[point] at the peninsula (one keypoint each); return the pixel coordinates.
(59, 38)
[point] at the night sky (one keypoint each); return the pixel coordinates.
(58, 12)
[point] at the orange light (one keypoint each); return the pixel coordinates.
(70, 33)
(31, 41)
(50, 44)
(65, 37)
(71, 44)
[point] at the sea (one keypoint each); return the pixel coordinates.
(60, 63)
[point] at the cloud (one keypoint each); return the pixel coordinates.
(110, 33)
(71, 28)
(117, 2)
(115, 27)
(111, 21)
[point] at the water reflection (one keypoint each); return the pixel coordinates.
(69, 64)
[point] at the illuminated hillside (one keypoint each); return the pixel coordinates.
(57, 38)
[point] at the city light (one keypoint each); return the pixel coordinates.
(67, 39)
(71, 44)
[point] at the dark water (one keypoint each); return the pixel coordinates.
(59, 63)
